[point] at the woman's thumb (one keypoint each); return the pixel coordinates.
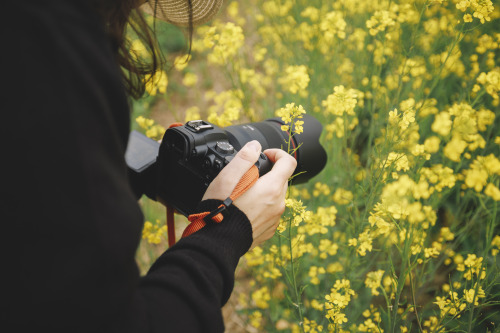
(228, 178)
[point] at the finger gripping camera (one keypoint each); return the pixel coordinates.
(190, 156)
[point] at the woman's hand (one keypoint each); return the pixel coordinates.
(264, 202)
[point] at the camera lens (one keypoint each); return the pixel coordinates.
(310, 155)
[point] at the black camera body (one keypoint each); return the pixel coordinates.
(190, 156)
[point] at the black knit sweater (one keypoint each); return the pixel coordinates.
(70, 222)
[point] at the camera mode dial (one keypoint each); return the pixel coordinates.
(224, 147)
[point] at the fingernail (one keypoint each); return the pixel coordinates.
(254, 145)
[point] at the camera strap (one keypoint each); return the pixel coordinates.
(199, 220)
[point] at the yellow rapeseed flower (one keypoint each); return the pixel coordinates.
(442, 123)
(495, 244)
(138, 50)
(342, 196)
(491, 82)
(144, 122)
(380, 20)
(261, 297)
(182, 61)
(492, 191)
(333, 25)
(225, 41)
(373, 280)
(154, 233)
(431, 144)
(190, 79)
(342, 101)
(192, 113)
(295, 79)
(156, 83)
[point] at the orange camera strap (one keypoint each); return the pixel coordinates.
(199, 220)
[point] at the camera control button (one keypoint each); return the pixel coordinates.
(208, 162)
(217, 165)
(224, 147)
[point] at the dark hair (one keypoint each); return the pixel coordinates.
(120, 15)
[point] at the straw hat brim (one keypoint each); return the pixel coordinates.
(177, 11)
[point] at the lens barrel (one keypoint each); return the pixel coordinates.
(310, 155)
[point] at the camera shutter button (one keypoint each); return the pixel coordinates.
(224, 147)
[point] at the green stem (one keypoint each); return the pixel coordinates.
(294, 280)
(401, 281)
(412, 285)
(437, 77)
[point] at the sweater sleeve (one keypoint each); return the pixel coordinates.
(198, 272)
(71, 219)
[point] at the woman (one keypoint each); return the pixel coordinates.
(72, 221)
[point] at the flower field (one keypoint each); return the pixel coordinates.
(401, 230)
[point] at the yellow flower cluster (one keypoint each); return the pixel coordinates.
(190, 79)
(380, 21)
(290, 115)
(298, 211)
(154, 233)
(312, 326)
(138, 50)
(471, 266)
(295, 79)
(327, 248)
(321, 189)
(373, 280)
(491, 82)
(480, 171)
(481, 9)
(269, 262)
(432, 179)
(156, 83)
(255, 319)
(341, 104)
(333, 25)
(181, 62)
(486, 43)
(227, 107)
(495, 244)
(319, 222)
(261, 298)
(152, 130)
(338, 299)
(404, 120)
(192, 113)
(464, 124)
(341, 101)
(432, 325)
(363, 243)
(225, 41)
(256, 81)
(342, 196)
(451, 305)
(372, 321)
(314, 271)
(471, 296)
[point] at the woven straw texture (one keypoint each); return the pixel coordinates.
(177, 11)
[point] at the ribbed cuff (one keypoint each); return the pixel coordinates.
(225, 242)
(235, 228)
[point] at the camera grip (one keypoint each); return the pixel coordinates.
(263, 164)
